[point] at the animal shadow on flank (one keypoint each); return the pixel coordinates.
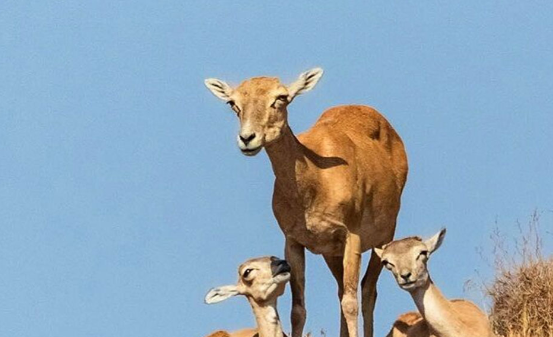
(324, 162)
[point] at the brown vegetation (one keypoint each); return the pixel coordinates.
(522, 289)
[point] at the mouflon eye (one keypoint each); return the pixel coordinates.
(423, 253)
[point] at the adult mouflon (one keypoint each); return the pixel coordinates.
(337, 188)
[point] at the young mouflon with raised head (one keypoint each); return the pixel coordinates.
(337, 189)
(437, 317)
(261, 280)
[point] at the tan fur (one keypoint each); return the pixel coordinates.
(409, 325)
(262, 288)
(239, 333)
(438, 317)
(221, 333)
(337, 189)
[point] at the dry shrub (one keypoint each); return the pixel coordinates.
(522, 289)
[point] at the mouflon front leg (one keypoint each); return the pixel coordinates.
(352, 263)
(295, 255)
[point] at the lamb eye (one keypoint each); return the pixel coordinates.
(247, 272)
(280, 99)
(233, 106)
(424, 253)
(387, 264)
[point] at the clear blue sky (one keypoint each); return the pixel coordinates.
(123, 195)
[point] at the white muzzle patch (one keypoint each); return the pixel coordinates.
(252, 148)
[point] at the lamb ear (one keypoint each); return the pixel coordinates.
(219, 294)
(219, 88)
(305, 82)
(436, 241)
(378, 252)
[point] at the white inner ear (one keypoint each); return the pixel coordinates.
(305, 82)
(436, 241)
(219, 88)
(219, 294)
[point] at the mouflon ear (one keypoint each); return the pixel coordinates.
(219, 88)
(305, 82)
(219, 294)
(436, 241)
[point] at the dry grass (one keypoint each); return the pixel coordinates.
(522, 289)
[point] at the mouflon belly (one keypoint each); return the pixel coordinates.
(318, 234)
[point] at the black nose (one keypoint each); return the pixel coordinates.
(247, 138)
(406, 276)
(279, 266)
